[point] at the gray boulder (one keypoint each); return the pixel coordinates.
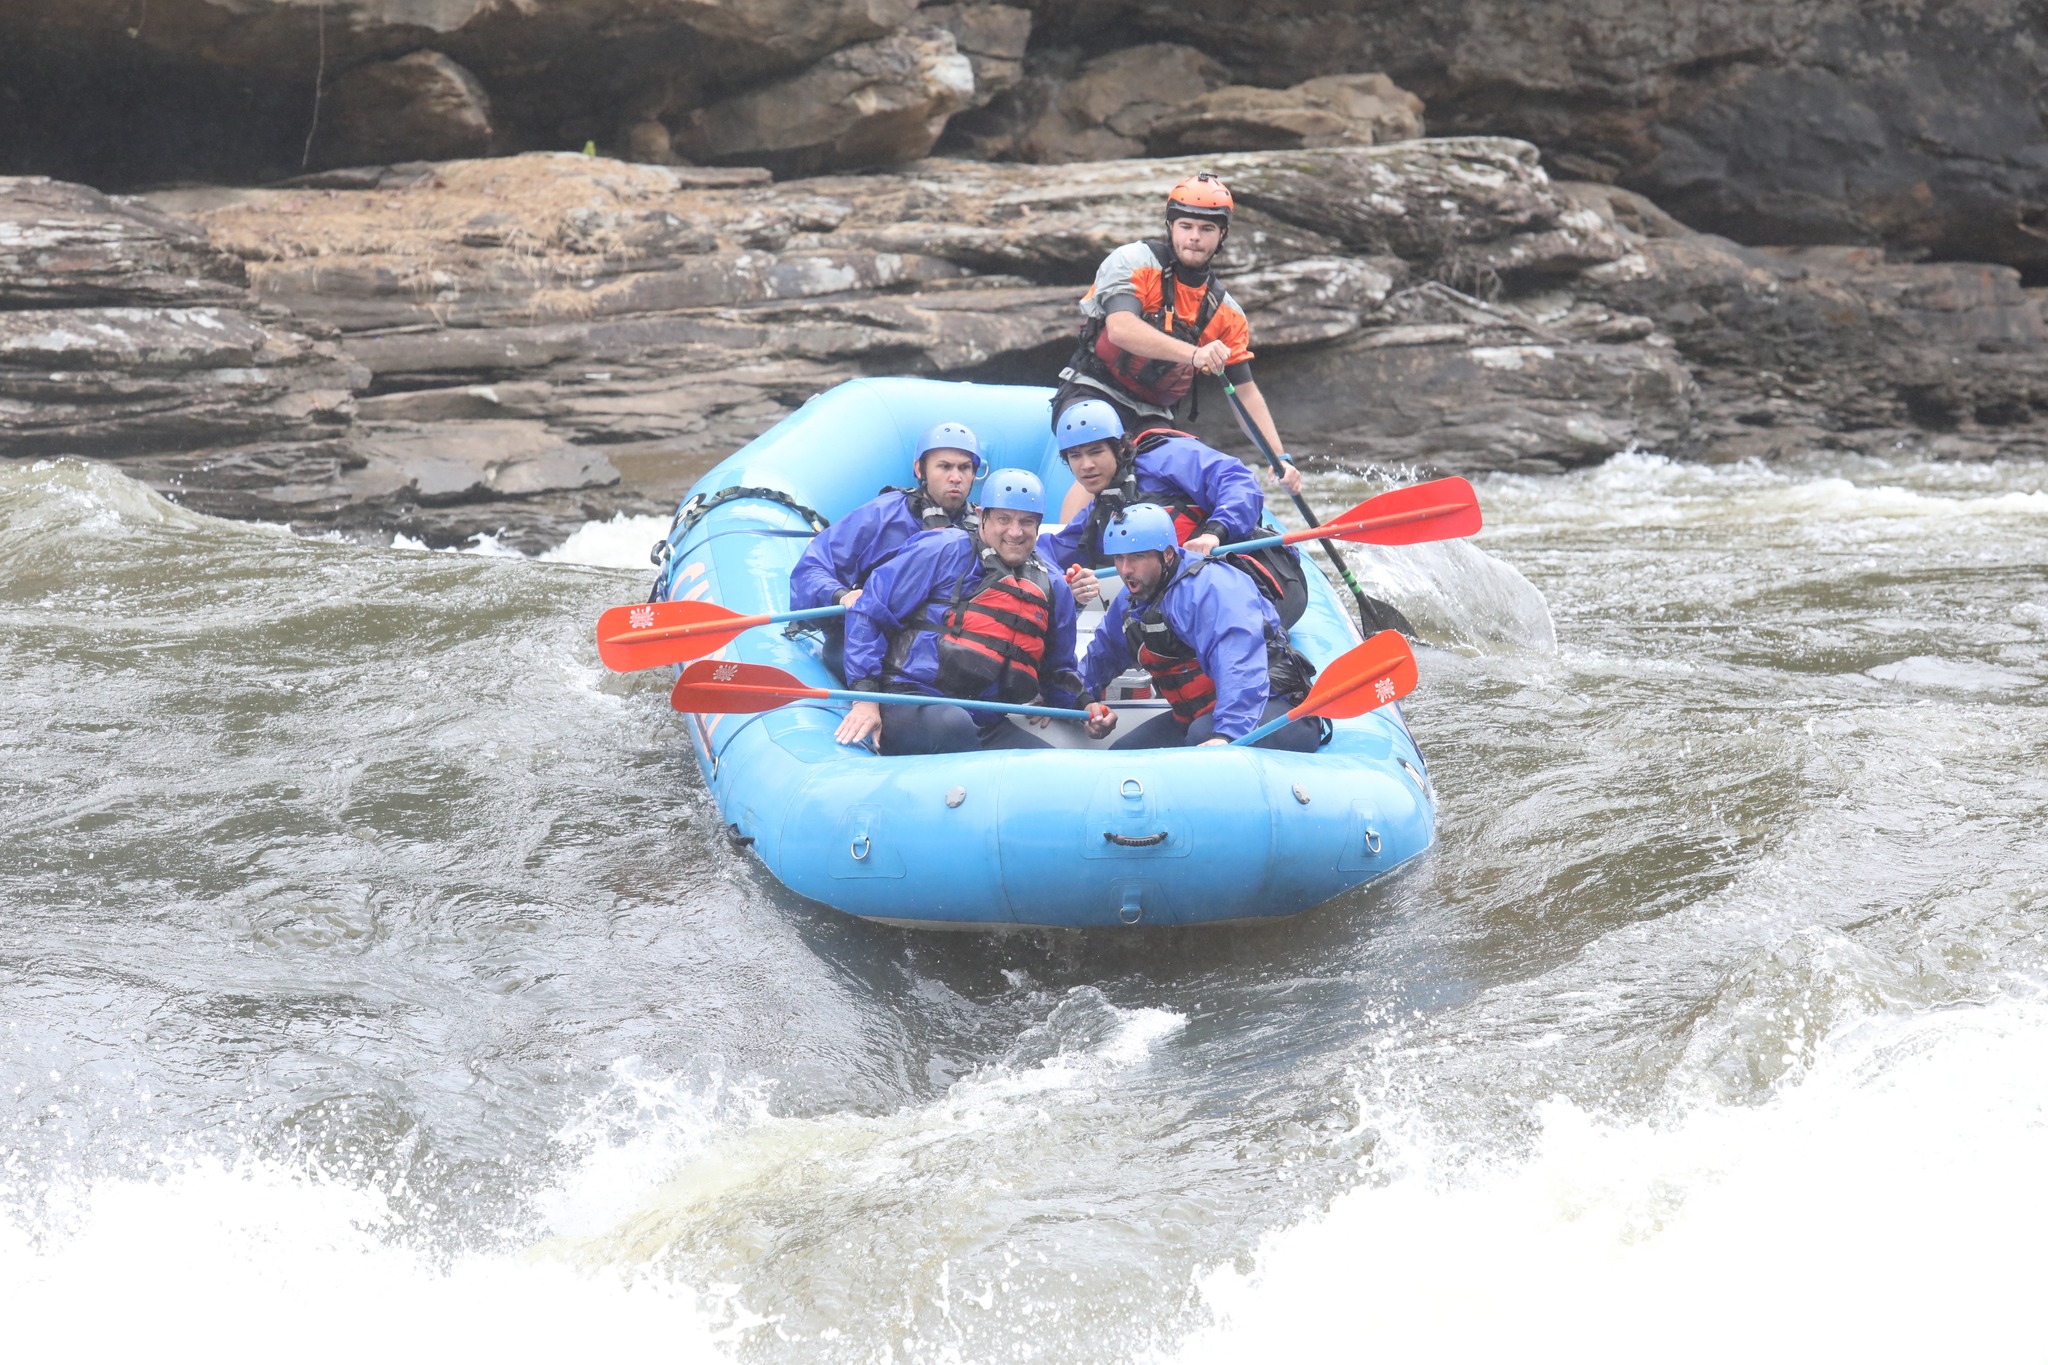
(422, 107)
(1915, 125)
(873, 104)
(993, 39)
(1107, 109)
(1329, 111)
(124, 332)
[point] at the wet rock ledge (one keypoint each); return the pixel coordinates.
(521, 343)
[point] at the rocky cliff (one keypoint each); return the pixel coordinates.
(1915, 124)
(393, 309)
(1912, 124)
(523, 342)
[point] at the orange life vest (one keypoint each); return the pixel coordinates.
(1162, 383)
(992, 631)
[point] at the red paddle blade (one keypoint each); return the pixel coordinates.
(1362, 679)
(1442, 509)
(655, 634)
(721, 687)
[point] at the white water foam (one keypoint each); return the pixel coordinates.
(1952, 675)
(1888, 1204)
(249, 1260)
(621, 543)
(675, 1185)
(1642, 489)
(1455, 593)
(63, 495)
(633, 1135)
(483, 543)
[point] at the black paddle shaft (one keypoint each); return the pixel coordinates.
(1373, 615)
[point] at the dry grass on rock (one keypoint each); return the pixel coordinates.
(543, 204)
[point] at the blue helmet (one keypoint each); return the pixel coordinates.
(1141, 526)
(1091, 419)
(1017, 490)
(950, 436)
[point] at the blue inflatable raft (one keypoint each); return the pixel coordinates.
(1076, 836)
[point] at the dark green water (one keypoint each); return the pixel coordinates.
(375, 975)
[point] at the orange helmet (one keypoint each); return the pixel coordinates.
(1201, 196)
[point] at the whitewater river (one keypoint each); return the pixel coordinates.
(375, 982)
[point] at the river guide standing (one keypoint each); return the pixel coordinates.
(1157, 316)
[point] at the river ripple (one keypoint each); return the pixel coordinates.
(368, 946)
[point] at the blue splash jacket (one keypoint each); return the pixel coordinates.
(846, 553)
(920, 579)
(1179, 467)
(1221, 615)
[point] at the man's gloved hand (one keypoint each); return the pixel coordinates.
(1101, 720)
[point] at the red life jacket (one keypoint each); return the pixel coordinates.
(1162, 383)
(991, 633)
(1176, 673)
(1176, 668)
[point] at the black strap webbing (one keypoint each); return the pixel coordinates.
(692, 512)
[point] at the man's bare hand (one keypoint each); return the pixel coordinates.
(863, 721)
(1290, 477)
(1101, 720)
(1201, 545)
(1083, 583)
(850, 596)
(1213, 739)
(1211, 359)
